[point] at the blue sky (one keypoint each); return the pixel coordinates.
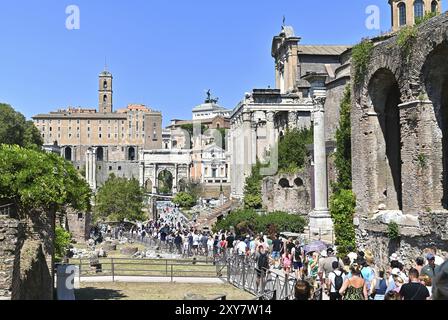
(162, 53)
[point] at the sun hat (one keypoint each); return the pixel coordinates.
(396, 272)
(394, 257)
(430, 256)
(324, 253)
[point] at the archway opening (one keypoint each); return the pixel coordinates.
(131, 154)
(99, 154)
(165, 183)
(385, 96)
(435, 77)
(284, 183)
(298, 182)
(68, 154)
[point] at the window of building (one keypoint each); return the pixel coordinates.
(69, 135)
(110, 168)
(434, 7)
(77, 136)
(88, 121)
(88, 129)
(77, 129)
(105, 84)
(59, 129)
(77, 121)
(99, 129)
(119, 168)
(105, 98)
(108, 136)
(418, 10)
(51, 129)
(100, 136)
(402, 14)
(88, 135)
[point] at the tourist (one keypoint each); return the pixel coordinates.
(414, 290)
(277, 247)
(419, 264)
(430, 269)
(287, 262)
(379, 286)
(352, 255)
(262, 264)
(223, 246)
(354, 288)
(392, 295)
(326, 264)
(440, 283)
(427, 282)
(178, 243)
(335, 281)
(230, 239)
(313, 265)
(367, 272)
(437, 259)
(241, 249)
(297, 256)
(302, 290)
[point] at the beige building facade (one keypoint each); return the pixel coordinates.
(408, 12)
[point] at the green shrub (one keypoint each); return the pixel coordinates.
(406, 39)
(252, 189)
(185, 200)
(292, 150)
(361, 55)
(61, 243)
(342, 207)
(250, 222)
(393, 231)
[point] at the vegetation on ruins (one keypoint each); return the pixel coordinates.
(250, 222)
(406, 38)
(426, 17)
(361, 55)
(393, 231)
(15, 130)
(292, 150)
(34, 180)
(62, 243)
(343, 201)
(185, 200)
(119, 199)
(252, 190)
(343, 154)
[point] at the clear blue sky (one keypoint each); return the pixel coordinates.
(162, 53)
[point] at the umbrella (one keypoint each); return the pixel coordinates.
(316, 246)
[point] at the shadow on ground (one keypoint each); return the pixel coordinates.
(98, 294)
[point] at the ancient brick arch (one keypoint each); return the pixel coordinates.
(400, 125)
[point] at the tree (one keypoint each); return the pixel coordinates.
(36, 180)
(61, 243)
(292, 149)
(252, 190)
(15, 130)
(119, 199)
(342, 207)
(185, 200)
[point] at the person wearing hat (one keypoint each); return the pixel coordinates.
(430, 269)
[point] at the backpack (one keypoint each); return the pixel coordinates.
(338, 281)
(298, 253)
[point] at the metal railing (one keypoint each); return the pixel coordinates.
(121, 267)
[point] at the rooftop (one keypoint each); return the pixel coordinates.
(322, 50)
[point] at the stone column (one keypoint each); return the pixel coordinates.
(247, 146)
(270, 129)
(88, 166)
(292, 120)
(320, 218)
(155, 183)
(94, 169)
(176, 167)
(254, 143)
(142, 174)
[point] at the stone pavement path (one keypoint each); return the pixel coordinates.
(140, 279)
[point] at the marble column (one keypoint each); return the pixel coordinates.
(155, 184)
(270, 129)
(247, 146)
(320, 218)
(142, 174)
(254, 143)
(176, 167)
(94, 169)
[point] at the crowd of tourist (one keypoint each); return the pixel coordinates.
(357, 276)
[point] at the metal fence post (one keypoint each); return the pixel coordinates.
(172, 273)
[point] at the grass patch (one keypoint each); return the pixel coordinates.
(156, 291)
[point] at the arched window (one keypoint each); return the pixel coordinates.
(99, 154)
(68, 154)
(419, 10)
(105, 84)
(434, 7)
(402, 13)
(131, 154)
(104, 98)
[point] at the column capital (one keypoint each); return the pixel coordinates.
(247, 116)
(319, 103)
(270, 116)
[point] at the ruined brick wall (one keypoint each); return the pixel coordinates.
(293, 197)
(26, 257)
(399, 139)
(79, 224)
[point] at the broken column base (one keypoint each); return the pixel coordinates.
(321, 222)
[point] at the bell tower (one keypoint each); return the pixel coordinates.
(408, 12)
(105, 92)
